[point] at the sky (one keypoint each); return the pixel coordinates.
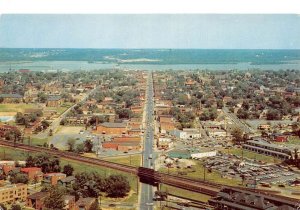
(150, 31)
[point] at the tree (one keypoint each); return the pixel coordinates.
(68, 170)
(71, 144)
(80, 148)
(88, 145)
(220, 104)
(55, 199)
(237, 135)
(16, 177)
(16, 207)
(117, 186)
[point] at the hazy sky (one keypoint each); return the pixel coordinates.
(151, 31)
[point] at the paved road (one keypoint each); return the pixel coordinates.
(146, 200)
(237, 121)
(55, 124)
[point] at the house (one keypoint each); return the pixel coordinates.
(6, 168)
(54, 101)
(52, 178)
(86, 203)
(67, 181)
(112, 128)
(33, 173)
(11, 98)
(36, 200)
(216, 133)
(11, 193)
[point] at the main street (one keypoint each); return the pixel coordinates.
(146, 199)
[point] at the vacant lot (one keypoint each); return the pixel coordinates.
(14, 108)
(134, 160)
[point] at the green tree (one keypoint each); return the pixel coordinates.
(237, 135)
(80, 148)
(88, 145)
(16, 177)
(55, 199)
(68, 170)
(117, 186)
(71, 144)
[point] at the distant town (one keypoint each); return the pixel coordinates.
(147, 139)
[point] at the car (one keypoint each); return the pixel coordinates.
(149, 204)
(81, 132)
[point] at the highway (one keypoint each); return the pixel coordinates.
(146, 199)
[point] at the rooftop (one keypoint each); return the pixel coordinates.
(113, 125)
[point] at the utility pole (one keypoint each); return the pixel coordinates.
(204, 171)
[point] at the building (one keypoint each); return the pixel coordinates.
(67, 181)
(11, 98)
(36, 200)
(238, 199)
(186, 133)
(216, 133)
(13, 193)
(267, 148)
(86, 203)
(279, 137)
(164, 143)
(203, 153)
(112, 128)
(52, 178)
(33, 173)
(54, 101)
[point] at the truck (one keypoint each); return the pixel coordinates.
(150, 156)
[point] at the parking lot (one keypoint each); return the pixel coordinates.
(233, 167)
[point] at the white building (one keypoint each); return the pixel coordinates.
(186, 133)
(202, 154)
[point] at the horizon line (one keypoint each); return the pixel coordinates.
(149, 48)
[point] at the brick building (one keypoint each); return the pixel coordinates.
(33, 173)
(112, 128)
(13, 193)
(52, 178)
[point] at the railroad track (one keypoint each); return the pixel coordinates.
(204, 187)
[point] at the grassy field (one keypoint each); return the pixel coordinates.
(185, 193)
(252, 155)
(197, 172)
(293, 140)
(16, 107)
(134, 160)
(14, 154)
(35, 141)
